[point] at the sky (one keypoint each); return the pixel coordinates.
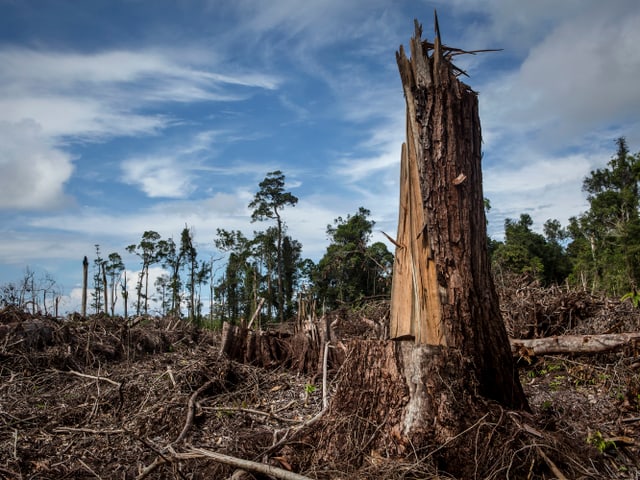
(120, 116)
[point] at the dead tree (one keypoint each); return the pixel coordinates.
(449, 352)
(85, 273)
(443, 293)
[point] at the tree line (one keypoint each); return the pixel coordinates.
(599, 250)
(265, 269)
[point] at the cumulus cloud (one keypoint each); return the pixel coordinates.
(33, 171)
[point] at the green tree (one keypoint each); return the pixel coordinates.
(525, 251)
(149, 254)
(265, 271)
(98, 281)
(114, 267)
(606, 239)
(268, 204)
(291, 271)
(350, 268)
(163, 288)
(171, 259)
(233, 289)
(190, 255)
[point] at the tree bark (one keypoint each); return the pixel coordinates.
(443, 293)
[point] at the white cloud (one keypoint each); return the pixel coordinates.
(100, 95)
(33, 171)
(158, 176)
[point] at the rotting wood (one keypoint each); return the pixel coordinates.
(579, 344)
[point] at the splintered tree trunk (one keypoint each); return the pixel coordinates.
(449, 347)
(443, 293)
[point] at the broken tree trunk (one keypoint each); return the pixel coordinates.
(85, 272)
(449, 349)
(443, 293)
(578, 344)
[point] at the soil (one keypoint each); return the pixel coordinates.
(106, 398)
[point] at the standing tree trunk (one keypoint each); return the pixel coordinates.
(449, 350)
(443, 293)
(105, 290)
(85, 274)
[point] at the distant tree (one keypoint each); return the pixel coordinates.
(149, 254)
(291, 272)
(233, 289)
(98, 286)
(605, 240)
(124, 288)
(9, 295)
(263, 279)
(268, 204)
(34, 293)
(350, 268)
(171, 258)
(201, 277)
(189, 255)
(526, 251)
(114, 266)
(163, 284)
(379, 268)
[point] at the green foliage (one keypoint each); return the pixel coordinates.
(605, 242)
(597, 440)
(267, 204)
(634, 297)
(527, 252)
(351, 268)
(149, 254)
(114, 267)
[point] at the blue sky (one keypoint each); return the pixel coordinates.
(118, 117)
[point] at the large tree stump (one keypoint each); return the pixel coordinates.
(449, 359)
(443, 293)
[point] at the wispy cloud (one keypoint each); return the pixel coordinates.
(102, 94)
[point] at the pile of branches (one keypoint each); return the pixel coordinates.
(533, 311)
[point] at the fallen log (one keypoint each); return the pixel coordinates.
(581, 344)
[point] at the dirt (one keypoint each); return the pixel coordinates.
(99, 398)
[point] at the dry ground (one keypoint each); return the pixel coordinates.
(92, 398)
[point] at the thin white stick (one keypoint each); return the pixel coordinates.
(325, 390)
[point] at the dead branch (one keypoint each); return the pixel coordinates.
(249, 465)
(256, 313)
(250, 410)
(571, 344)
(556, 471)
(84, 375)
(191, 409)
(88, 430)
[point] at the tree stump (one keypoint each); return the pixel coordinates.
(449, 357)
(443, 292)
